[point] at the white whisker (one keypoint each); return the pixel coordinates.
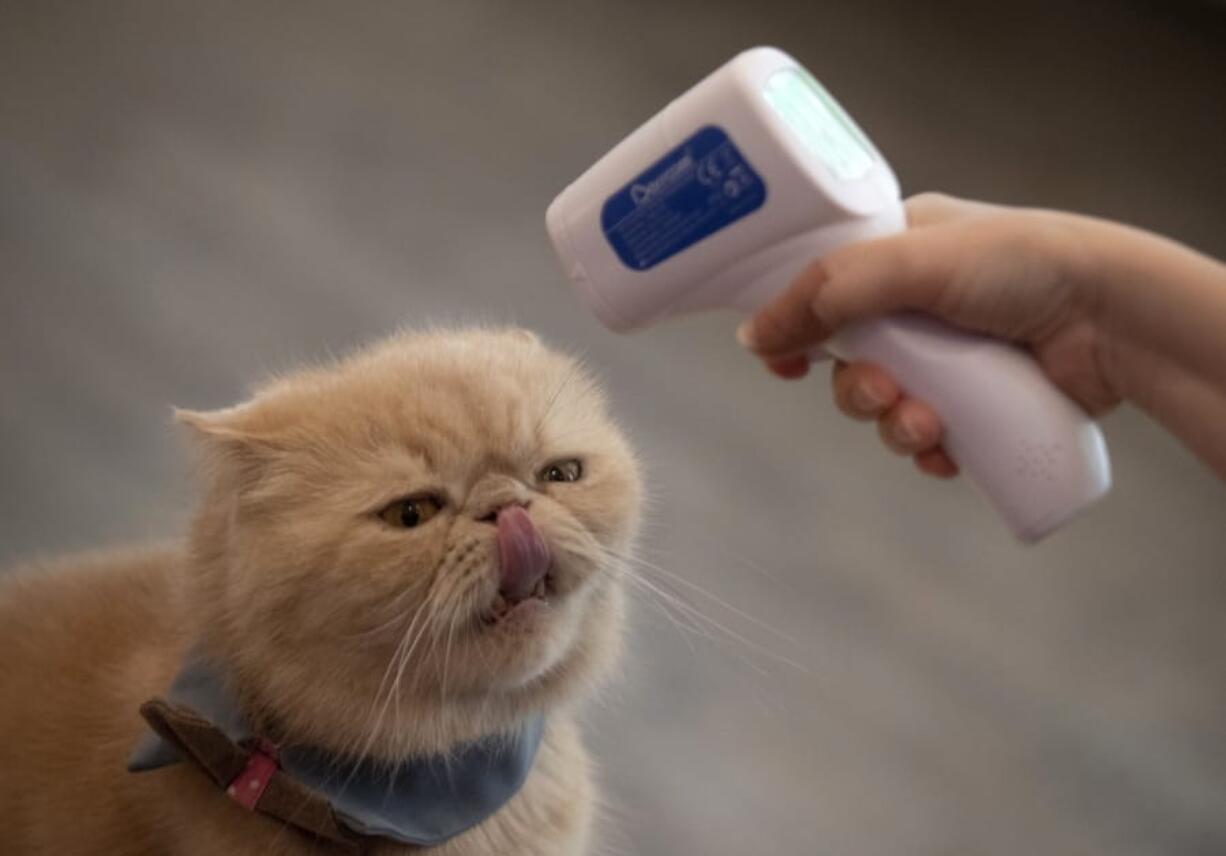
(697, 615)
(711, 596)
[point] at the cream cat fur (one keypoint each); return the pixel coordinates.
(292, 578)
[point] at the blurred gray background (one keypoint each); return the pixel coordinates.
(195, 194)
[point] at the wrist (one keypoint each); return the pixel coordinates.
(1085, 252)
(1158, 309)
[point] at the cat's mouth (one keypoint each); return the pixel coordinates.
(526, 572)
(508, 605)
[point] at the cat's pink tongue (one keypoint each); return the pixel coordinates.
(523, 555)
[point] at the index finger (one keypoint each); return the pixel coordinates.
(788, 324)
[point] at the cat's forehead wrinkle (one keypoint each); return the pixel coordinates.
(492, 463)
(453, 415)
(481, 397)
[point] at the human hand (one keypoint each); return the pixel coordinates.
(1026, 276)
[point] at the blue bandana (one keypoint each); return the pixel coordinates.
(421, 801)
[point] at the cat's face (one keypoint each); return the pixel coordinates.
(416, 546)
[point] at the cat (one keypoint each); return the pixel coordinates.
(416, 548)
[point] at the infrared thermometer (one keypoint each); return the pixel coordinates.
(723, 197)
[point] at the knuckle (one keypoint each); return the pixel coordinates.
(812, 275)
(770, 327)
(851, 395)
(929, 206)
(929, 199)
(935, 196)
(842, 394)
(887, 430)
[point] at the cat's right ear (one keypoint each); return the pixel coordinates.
(220, 425)
(230, 438)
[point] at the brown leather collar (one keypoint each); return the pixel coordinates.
(283, 798)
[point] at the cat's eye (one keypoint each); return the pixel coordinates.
(411, 511)
(562, 471)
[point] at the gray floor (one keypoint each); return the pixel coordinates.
(194, 194)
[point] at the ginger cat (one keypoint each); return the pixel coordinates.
(415, 549)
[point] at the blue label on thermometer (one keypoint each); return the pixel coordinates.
(692, 192)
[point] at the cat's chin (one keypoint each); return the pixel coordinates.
(520, 645)
(539, 656)
(522, 616)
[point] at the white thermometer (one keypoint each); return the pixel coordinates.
(726, 194)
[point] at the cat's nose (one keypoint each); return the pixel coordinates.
(491, 516)
(523, 555)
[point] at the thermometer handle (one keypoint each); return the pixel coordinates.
(1031, 451)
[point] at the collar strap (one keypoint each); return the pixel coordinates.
(421, 801)
(251, 776)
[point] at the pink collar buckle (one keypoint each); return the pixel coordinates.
(249, 785)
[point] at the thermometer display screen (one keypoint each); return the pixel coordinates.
(820, 123)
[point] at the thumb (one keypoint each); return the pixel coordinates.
(907, 271)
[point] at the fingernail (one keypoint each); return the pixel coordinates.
(867, 398)
(744, 335)
(908, 433)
